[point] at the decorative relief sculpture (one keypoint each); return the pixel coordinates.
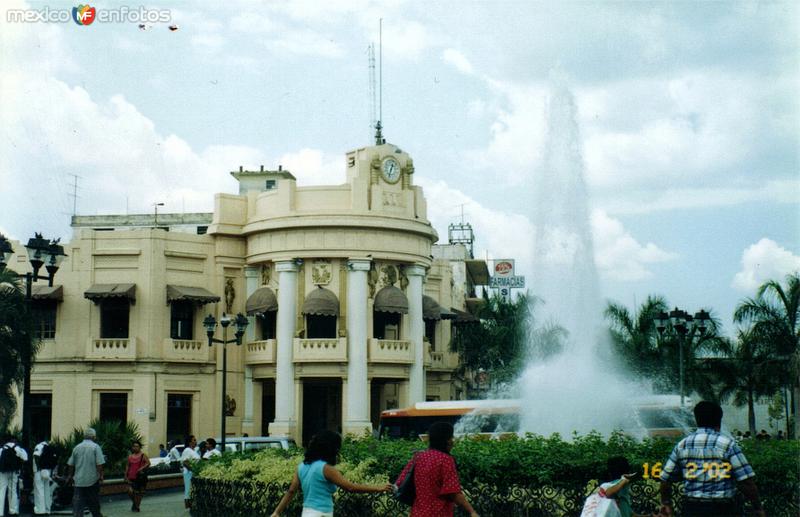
(266, 274)
(372, 279)
(403, 278)
(388, 275)
(230, 406)
(230, 295)
(393, 199)
(321, 272)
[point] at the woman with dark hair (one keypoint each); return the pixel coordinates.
(135, 476)
(318, 478)
(435, 477)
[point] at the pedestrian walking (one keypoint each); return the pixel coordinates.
(318, 478)
(45, 460)
(12, 458)
(188, 456)
(711, 464)
(437, 488)
(86, 474)
(135, 474)
(612, 499)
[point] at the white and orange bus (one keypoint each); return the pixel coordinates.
(659, 415)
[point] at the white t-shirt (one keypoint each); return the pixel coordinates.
(188, 454)
(210, 454)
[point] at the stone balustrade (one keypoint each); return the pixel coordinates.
(186, 350)
(112, 349)
(390, 351)
(320, 350)
(260, 352)
(437, 359)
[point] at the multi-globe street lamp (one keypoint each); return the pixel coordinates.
(210, 325)
(41, 252)
(684, 325)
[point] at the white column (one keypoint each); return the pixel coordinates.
(285, 423)
(251, 281)
(356, 419)
(416, 378)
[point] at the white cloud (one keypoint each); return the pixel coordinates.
(458, 60)
(762, 261)
(618, 255)
(314, 167)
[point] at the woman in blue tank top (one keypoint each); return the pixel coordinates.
(318, 478)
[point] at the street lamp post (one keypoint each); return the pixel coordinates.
(155, 219)
(41, 252)
(210, 325)
(683, 325)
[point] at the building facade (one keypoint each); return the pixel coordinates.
(350, 306)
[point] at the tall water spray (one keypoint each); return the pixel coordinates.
(572, 391)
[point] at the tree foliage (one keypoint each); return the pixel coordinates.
(652, 354)
(16, 341)
(502, 339)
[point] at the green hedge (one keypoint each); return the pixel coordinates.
(508, 465)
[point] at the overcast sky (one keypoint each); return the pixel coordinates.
(688, 114)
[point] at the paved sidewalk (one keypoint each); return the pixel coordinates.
(161, 503)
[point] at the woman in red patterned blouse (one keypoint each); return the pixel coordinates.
(435, 477)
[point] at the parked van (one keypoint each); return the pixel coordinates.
(255, 443)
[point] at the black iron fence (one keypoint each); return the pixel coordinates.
(213, 498)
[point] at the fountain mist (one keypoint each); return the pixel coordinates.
(573, 391)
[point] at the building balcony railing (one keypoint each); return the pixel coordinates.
(390, 351)
(186, 350)
(426, 357)
(320, 350)
(437, 359)
(260, 352)
(112, 349)
(47, 350)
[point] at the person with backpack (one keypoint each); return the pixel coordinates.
(12, 457)
(45, 460)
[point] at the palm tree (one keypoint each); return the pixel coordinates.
(17, 344)
(634, 336)
(654, 355)
(748, 374)
(774, 314)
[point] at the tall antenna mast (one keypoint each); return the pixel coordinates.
(378, 136)
(74, 186)
(373, 112)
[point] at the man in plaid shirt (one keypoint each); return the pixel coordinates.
(711, 464)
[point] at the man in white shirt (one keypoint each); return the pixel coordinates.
(12, 457)
(211, 449)
(187, 457)
(45, 459)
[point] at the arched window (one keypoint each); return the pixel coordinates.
(389, 306)
(321, 309)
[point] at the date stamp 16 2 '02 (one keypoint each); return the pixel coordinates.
(707, 470)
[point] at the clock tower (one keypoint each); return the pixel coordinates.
(381, 177)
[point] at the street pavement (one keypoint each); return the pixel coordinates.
(158, 503)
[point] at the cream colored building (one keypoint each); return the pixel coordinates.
(349, 310)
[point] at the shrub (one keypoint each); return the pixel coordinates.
(114, 437)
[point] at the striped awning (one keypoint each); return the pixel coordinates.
(199, 295)
(100, 292)
(45, 292)
(391, 299)
(261, 301)
(321, 302)
(463, 317)
(431, 310)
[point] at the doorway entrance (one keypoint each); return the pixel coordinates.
(179, 416)
(322, 407)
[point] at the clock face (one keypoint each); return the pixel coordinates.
(391, 170)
